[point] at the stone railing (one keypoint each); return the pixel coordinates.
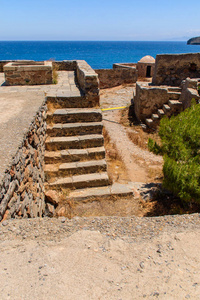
(22, 188)
(88, 81)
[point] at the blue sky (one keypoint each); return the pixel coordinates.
(119, 20)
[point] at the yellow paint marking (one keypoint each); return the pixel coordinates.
(112, 108)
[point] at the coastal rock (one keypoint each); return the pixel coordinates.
(194, 41)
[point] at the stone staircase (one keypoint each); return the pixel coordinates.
(75, 164)
(173, 107)
(75, 156)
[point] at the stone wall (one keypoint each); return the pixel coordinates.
(28, 73)
(22, 188)
(118, 75)
(88, 81)
(189, 92)
(65, 65)
(148, 99)
(142, 69)
(171, 69)
(4, 62)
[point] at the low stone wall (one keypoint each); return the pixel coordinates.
(65, 65)
(22, 188)
(28, 73)
(4, 62)
(124, 65)
(171, 69)
(88, 81)
(189, 92)
(118, 75)
(148, 99)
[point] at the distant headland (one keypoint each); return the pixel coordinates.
(194, 41)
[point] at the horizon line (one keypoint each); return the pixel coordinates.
(93, 40)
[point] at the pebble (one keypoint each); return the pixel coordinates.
(4, 223)
(114, 227)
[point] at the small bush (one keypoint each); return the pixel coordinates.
(180, 145)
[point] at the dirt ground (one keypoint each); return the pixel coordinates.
(129, 160)
(139, 164)
(100, 258)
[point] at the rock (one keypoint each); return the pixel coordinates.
(61, 212)
(52, 197)
(63, 220)
(142, 265)
(4, 223)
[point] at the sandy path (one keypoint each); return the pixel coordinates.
(132, 155)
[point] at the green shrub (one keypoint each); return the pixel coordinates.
(180, 137)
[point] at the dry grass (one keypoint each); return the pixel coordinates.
(55, 74)
(116, 168)
(135, 132)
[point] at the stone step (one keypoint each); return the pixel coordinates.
(71, 129)
(74, 115)
(167, 109)
(155, 117)
(74, 142)
(161, 113)
(73, 155)
(81, 181)
(61, 101)
(174, 89)
(176, 106)
(156, 120)
(149, 122)
(174, 95)
(75, 168)
(111, 191)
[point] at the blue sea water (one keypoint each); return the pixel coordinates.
(99, 55)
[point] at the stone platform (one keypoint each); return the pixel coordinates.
(19, 105)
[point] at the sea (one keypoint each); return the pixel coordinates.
(98, 54)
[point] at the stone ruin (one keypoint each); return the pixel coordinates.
(28, 73)
(174, 85)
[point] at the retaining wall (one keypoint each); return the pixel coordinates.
(22, 188)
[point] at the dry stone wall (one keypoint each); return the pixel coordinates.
(171, 69)
(22, 188)
(118, 75)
